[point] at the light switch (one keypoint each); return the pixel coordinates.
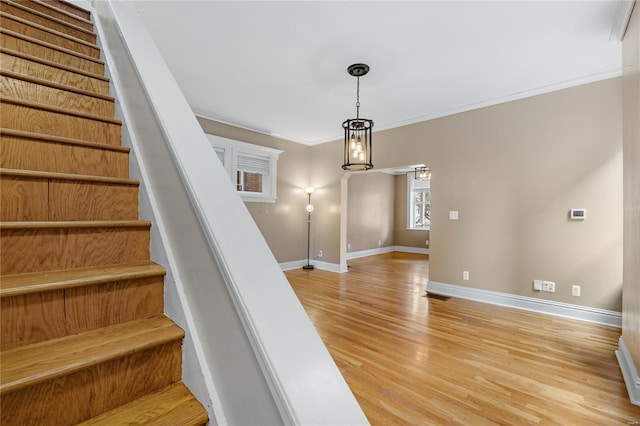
(453, 214)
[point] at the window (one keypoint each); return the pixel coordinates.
(252, 168)
(418, 203)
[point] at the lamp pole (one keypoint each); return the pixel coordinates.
(309, 190)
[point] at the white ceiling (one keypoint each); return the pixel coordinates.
(280, 67)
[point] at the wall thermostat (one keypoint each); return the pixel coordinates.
(578, 214)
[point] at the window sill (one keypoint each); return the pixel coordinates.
(419, 229)
(257, 199)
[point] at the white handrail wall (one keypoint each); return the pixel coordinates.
(261, 358)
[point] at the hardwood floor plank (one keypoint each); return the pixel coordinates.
(415, 360)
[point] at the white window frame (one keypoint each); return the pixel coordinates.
(229, 150)
(411, 188)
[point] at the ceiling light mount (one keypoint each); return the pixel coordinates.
(358, 70)
(357, 131)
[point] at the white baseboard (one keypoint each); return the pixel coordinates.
(629, 372)
(566, 310)
(418, 250)
(389, 249)
(334, 267)
(296, 264)
(370, 252)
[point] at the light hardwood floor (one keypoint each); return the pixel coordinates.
(415, 360)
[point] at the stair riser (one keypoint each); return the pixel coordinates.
(39, 250)
(30, 199)
(92, 391)
(9, 41)
(40, 34)
(46, 22)
(54, 13)
(37, 317)
(18, 88)
(28, 119)
(68, 8)
(53, 74)
(31, 154)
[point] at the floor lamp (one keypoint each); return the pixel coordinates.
(309, 191)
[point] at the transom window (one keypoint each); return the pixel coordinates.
(251, 168)
(418, 203)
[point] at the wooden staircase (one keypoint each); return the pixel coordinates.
(83, 335)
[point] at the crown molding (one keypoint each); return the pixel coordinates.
(621, 21)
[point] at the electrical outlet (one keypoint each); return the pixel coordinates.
(426, 242)
(549, 286)
(537, 285)
(465, 275)
(379, 243)
(319, 253)
(575, 290)
(348, 246)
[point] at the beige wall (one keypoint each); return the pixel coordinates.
(283, 223)
(513, 171)
(631, 99)
(401, 235)
(370, 218)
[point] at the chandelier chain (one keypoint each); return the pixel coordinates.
(358, 98)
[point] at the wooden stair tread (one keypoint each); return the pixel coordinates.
(53, 19)
(27, 365)
(173, 405)
(61, 11)
(67, 176)
(51, 63)
(51, 46)
(20, 284)
(77, 10)
(47, 29)
(55, 85)
(107, 260)
(75, 224)
(61, 139)
(36, 105)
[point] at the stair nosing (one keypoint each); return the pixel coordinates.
(65, 111)
(49, 63)
(54, 280)
(52, 46)
(64, 12)
(75, 224)
(177, 390)
(44, 15)
(36, 174)
(75, 7)
(54, 85)
(49, 30)
(62, 140)
(78, 361)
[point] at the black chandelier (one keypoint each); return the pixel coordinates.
(357, 131)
